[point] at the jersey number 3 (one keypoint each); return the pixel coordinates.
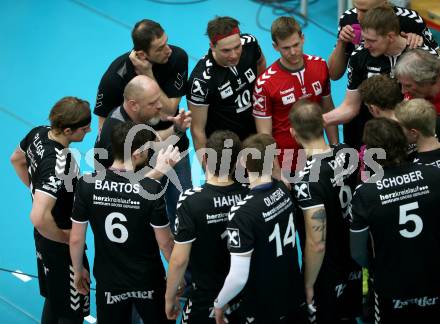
(289, 236)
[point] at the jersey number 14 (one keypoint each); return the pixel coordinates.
(289, 236)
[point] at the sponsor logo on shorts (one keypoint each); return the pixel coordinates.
(421, 302)
(113, 299)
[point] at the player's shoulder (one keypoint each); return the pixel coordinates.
(188, 196)
(348, 17)
(359, 52)
(241, 207)
(35, 132)
(151, 185)
(406, 13)
(267, 77)
(248, 39)
(118, 67)
(203, 69)
(178, 57)
(428, 49)
(178, 52)
(314, 59)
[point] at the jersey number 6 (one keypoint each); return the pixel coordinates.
(110, 228)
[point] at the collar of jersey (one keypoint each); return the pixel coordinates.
(289, 70)
(264, 186)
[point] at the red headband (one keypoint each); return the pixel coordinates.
(218, 37)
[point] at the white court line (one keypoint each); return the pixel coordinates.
(90, 319)
(21, 276)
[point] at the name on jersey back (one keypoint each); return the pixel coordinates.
(118, 187)
(403, 194)
(278, 207)
(219, 202)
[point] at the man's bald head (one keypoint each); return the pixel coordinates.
(142, 100)
(139, 86)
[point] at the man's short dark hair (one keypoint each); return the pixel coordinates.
(381, 91)
(306, 119)
(144, 33)
(388, 135)
(261, 143)
(119, 136)
(220, 26)
(218, 142)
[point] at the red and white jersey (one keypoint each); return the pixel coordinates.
(277, 89)
(435, 101)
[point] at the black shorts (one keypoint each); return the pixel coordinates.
(337, 298)
(291, 315)
(55, 278)
(199, 309)
(420, 310)
(115, 305)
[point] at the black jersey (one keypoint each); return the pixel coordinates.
(227, 90)
(362, 66)
(264, 224)
(428, 158)
(116, 117)
(53, 170)
(171, 77)
(126, 251)
(202, 215)
(401, 212)
(328, 181)
(409, 21)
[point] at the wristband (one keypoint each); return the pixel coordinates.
(178, 131)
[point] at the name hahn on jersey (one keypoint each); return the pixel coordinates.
(112, 299)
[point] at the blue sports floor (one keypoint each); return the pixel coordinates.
(53, 48)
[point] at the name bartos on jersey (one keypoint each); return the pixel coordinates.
(117, 186)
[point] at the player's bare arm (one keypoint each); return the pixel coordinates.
(164, 239)
(348, 109)
(332, 130)
(76, 247)
(42, 219)
(18, 161)
(316, 231)
(176, 270)
(199, 117)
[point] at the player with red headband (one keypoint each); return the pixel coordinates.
(292, 77)
(221, 84)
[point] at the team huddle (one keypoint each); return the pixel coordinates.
(289, 215)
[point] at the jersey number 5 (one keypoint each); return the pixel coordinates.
(110, 228)
(289, 236)
(404, 218)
